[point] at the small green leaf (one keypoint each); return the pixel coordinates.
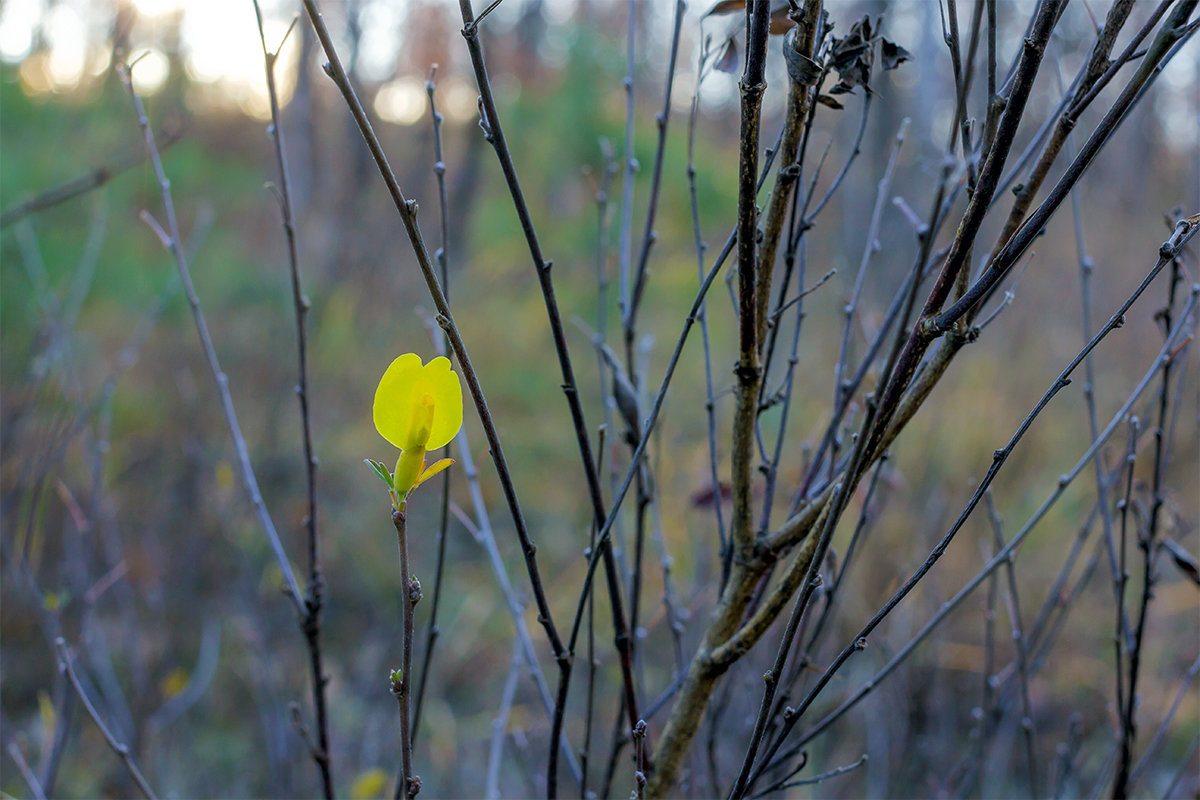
(432, 470)
(384, 474)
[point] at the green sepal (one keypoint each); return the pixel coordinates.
(380, 470)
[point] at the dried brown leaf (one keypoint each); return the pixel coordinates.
(1184, 560)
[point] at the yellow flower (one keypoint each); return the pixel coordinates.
(417, 408)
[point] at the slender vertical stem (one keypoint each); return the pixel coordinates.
(481, 528)
(1121, 632)
(1021, 642)
(1161, 733)
(644, 492)
(649, 236)
(989, 176)
(702, 315)
(622, 639)
(748, 370)
(35, 786)
(313, 600)
(603, 222)
(120, 748)
(771, 681)
(172, 240)
(799, 106)
(402, 684)
(500, 724)
(639, 749)
(408, 215)
(993, 102)
(1086, 268)
(982, 732)
(1183, 233)
(1147, 540)
(1174, 31)
(625, 255)
(869, 248)
(432, 632)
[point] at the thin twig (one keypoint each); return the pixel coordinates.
(865, 517)
(94, 179)
(809, 217)
(481, 529)
(494, 132)
(748, 370)
(65, 665)
(1021, 643)
(402, 683)
(35, 786)
(603, 222)
(824, 776)
(1183, 771)
(1147, 541)
(702, 315)
(645, 483)
(869, 248)
(795, 252)
(1086, 268)
(175, 246)
(640, 758)
(625, 247)
(313, 601)
(898, 379)
(1121, 634)
(432, 631)
(1174, 32)
(500, 724)
(649, 236)
(1001, 557)
(1183, 233)
(986, 711)
(408, 213)
(1161, 734)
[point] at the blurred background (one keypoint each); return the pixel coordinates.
(126, 528)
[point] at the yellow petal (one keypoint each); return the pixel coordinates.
(422, 421)
(404, 389)
(174, 683)
(393, 407)
(368, 785)
(443, 386)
